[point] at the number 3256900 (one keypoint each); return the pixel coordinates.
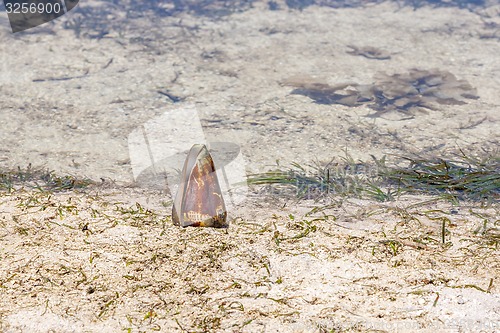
(33, 8)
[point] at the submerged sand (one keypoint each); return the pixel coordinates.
(107, 257)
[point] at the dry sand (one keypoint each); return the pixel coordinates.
(106, 258)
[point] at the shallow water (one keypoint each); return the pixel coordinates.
(75, 90)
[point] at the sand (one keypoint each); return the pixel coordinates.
(107, 258)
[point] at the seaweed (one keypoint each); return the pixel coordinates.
(41, 179)
(369, 52)
(408, 93)
(464, 177)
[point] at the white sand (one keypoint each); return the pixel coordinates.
(132, 269)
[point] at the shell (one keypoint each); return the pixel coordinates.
(199, 201)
